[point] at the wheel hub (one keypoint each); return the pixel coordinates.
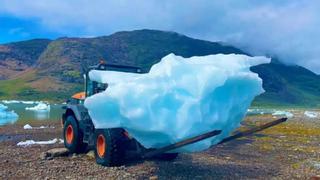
(101, 145)
(69, 134)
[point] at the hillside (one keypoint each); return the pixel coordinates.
(287, 85)
(19, 56)
(52, 69)
(141, 48)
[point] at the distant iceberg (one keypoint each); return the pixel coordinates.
(179, 98)
(283, 113)
(259, 111)
(29, 102)
(39, 107)
(7, 116)
(10, 101)
(18, 101)
(311, 114)
(3, 107)
(27, 126)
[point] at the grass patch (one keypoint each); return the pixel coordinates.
(9, 89)
(20, 89)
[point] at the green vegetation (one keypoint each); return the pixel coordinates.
(20, 89)
(66, 59)
(290, 86)
(10, 88)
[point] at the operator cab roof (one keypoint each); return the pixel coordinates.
(102, 66)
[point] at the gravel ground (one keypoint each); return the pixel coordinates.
(287, 151)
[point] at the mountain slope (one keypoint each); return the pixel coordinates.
(57, 69)
(19, 56)
(141, 48)
(288, 85)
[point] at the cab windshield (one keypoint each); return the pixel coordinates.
(93, 87)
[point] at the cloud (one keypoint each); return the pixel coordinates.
(287, 29)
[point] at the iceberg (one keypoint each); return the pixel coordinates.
(29, 102)
(10, 101)
(311, 114)
(39, 107)
(283, 113)
(7, 116)
(3, 107)
(17, 102)
(27, 126)
(179, 98)
(32, 142)
(259, 111)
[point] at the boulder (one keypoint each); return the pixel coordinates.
(56, 152)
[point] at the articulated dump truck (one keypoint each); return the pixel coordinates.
(114, 146)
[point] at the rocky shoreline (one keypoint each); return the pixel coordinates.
(287, 151)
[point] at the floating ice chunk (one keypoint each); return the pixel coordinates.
(10, 101)
(27, 126)
(7, 116)
(32, 142)
(39, 107)
(283, 113)
(258, 111)
(311, 114)
(17, 101)
(179, 98)
(29, 102)
(3, 107)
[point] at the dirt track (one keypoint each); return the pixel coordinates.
(288, 151)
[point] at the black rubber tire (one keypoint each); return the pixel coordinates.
(167, 156)
(114, 147)
(77, 145)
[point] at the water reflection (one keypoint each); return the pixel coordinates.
(41, 115)
(25, 116)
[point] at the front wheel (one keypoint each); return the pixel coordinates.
(109, 147)
(73, 138)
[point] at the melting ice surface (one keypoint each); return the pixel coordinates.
(7, 116)
(179, 98)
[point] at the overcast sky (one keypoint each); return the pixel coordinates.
(287, 29)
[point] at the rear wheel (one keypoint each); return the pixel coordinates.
(109, 147)
(73, 138)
